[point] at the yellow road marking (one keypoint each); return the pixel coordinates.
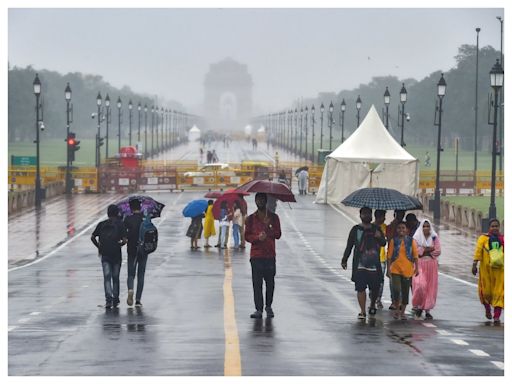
(232, 360)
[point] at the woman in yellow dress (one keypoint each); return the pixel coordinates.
(209, 226)
(491, 277)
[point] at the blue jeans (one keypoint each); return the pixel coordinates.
(111, 281)
(236, 235)
(223, 235)
(136, 263)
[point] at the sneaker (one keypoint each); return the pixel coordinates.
(380, 305)
(257, 315)
(116, 303)
(129, 300)
(418, 313)
(361, 316)
(270, 312)
(108, 305)
(138, 303)
(428, 316)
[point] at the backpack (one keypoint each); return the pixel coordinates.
(109, 235)
(369, 250)
(148, 236)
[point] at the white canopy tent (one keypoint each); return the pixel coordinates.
(194, 134)
(370, 157)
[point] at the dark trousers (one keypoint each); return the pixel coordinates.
(263, 269)
(400, 286)
(111, 281)
(136, 264)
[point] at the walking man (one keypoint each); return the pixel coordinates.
(366, 239)
(112, 236)
(262, 228)
(132, 224)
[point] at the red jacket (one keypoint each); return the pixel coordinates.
(265, 249)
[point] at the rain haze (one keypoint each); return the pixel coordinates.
(289, 53)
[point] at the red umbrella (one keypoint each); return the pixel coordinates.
(279, 190)
(230, 198)
(213, 194)
(241, 193)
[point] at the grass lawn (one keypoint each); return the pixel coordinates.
(479, 202)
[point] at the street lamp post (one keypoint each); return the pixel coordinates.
(403, 100)
(37, 91)
(306, 133)
(107, 122)
(475, 158)
(67, 96)
(145, 131)
(496, 84)
(441, 91)
(98, 134)
(387, 100)
(500, 101)
(119, 124)
(331, 110)
(290, 123)
(301, 129)
(152, 130)
(313, 133)
(343, 107)
(139, 107)
(295, 145)
(322, 109)
(358, 107)
(161, 129)
(130, 106)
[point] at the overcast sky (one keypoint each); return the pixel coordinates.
(289, 52)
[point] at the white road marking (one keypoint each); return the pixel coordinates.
(443, 332)
(499, 364)
(479, 352)
(24, 320)
(459, 342)
(12, 328)
(429, 325)
(35, 313)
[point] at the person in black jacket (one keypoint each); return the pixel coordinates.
(132, 224)
(366, 239)
(112, 236)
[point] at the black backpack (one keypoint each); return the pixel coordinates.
(148, 237)
(109, 235)
(369, 250)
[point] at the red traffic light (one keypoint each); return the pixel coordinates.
(71, 141)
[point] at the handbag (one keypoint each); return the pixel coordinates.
(497, 257)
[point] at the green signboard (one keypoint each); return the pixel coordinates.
(23, 160)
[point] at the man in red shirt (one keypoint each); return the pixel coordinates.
(262, 228)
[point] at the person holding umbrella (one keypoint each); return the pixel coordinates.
(262, 228)
(209, 226)
(366, 239)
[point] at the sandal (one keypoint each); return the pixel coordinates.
(361, 316)
(403, 316)
(396, 315)
(372, 310)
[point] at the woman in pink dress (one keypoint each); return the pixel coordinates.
(425, 283)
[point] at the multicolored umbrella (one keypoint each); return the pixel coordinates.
(149, 206)
(195, 208)
(381, 198)
(279, 190)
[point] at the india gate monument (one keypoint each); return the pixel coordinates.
(227, 96)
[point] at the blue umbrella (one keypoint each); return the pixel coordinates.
(381, 198)
(195, 208)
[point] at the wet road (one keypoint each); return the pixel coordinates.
(195, 319)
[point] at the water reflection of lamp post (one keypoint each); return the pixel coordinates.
(496, 84)
(441, 91)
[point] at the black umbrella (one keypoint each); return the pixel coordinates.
(303, 168)
(381, 198)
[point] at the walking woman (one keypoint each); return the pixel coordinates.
(209, 223)
(424, 292)
(490, 249)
